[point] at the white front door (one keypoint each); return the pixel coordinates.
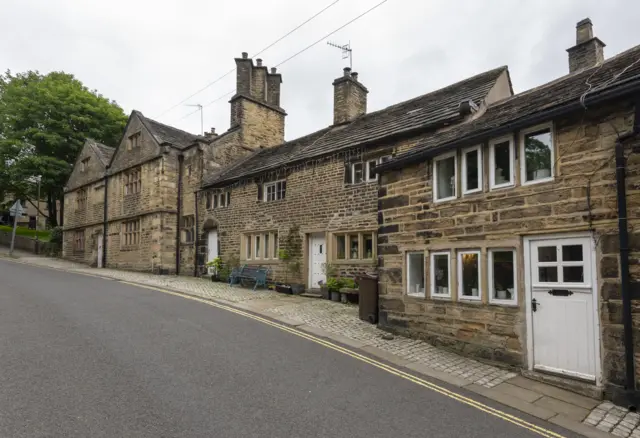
(100, 252)
(317, 259)
(561, 292)
(212, 246)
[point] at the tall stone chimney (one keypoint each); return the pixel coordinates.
(256, 105)
(349, 98)
(588, 50)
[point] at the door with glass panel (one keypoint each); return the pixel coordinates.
(562, 307)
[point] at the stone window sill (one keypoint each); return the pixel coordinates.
(260, 262)
(354, 262)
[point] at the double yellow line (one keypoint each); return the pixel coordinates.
(392, 370)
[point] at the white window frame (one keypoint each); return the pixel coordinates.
(464, 170)
(461, 296)
(492, 300)
(408, 275)
(446, 156)
(366, 167)
(248, 245)
(222, 200)
(432, 282)
(492, 165)
(273, 184)
(523, 158)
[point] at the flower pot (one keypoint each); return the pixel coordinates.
(297, 289)
(502, 294)
(324, 290)
(284, 289)
(335, 296)
(542, 173)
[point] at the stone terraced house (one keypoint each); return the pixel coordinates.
(316, 195)
(499, 237)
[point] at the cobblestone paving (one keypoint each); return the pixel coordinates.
(615, 420)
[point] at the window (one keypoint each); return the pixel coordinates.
(366, 171)
(275, 191)
(502, 276)
(415, 273)
(341, 245)
(189, 170)
(78, 241)
(132, 182)
(260, 246)
(561, 264)
(134, 141)
(208, 201)
(501, 158)
(537, 151)
(472, 170)
(84, 165)
(469, 275)
(368, 245)
(354, 246)
(188, 229)
(440, 275)
(222, 200)
(131, 233)
(81, 200)
(444, 177)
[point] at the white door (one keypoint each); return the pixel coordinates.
(317, 259)
(212, 245)
(561, 290)
(100, 252)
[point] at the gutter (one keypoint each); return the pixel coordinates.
(197, 234)
(105, 216)
(625, 87)
(630, 395)
(179, 212)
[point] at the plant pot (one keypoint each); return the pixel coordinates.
(542, 173)
(297, 289)
(282, 288)
(326, 295)
(502, 294)
(215, 277)
(335, 296)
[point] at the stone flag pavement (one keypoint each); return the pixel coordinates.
(339, 322)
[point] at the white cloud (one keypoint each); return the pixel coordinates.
(149, 55)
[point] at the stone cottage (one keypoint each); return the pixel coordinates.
(500, 236)
(317, 196)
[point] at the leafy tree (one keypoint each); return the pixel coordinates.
(44, 121)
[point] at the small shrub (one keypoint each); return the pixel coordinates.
(56, 235)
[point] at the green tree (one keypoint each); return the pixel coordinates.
(44, 121)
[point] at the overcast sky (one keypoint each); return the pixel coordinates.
(149, 55)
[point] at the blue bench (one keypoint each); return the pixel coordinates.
(257, 274)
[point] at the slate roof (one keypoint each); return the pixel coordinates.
(104, 152)
(168, 134)
(423, 111)
(614, 72)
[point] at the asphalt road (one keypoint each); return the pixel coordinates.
(86, 357)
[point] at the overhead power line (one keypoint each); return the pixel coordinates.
(295, 54)
(254, 55)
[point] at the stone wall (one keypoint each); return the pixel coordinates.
(262, 125)
(191, 177)
(317, 200)
(410, 220)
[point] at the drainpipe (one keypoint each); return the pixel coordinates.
(631, 396)
(195, 238)
(179, 212)
(105, 215)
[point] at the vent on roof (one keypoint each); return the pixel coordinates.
(467, 107)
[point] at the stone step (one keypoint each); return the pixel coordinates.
(311, 295)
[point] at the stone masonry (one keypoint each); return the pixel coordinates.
(411, 221)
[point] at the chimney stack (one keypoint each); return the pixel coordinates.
(588, 50)
(349, 98)
(211, 134)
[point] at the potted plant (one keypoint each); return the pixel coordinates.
(329, 271)
(333, 286)
(215, 268)
(290, 255)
